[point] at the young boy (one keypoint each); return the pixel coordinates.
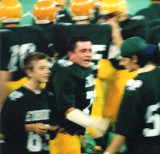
(137, 122)
(27, 111)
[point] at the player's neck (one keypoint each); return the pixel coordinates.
(33, 86)
(146, 68)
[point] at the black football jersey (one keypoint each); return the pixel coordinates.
(25, 107)
(63, 16)
(151, 12)
(139, 114)
(17, 42)
(134, 26)
(73, 87)
(100, 36)
(153, 35)
(7, 40)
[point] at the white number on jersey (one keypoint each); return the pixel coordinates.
(152, 117)
(97, 51)
(18, 53)
(89, 94)
(35, 144)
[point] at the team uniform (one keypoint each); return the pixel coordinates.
(74, 87)
(26, 107)
(138, 118)
(23, 40)
(134, 26)
(63, 17)
(100, 36)
(153, 35)
(115, 76)
(16, 43)
(151, 12)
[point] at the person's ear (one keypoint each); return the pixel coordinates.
(28, 72)
(135, 59)
(70, 55)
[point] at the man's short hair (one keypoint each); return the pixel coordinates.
(71, 44)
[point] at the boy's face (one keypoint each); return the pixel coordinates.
(82, 54)
(128, 63)
(40, 71)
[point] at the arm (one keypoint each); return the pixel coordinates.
(116, 33)
(4, 77)
(77, 116)
(12, 119)
(116, 143)
(38, 128)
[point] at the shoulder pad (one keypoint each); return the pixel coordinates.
(138, 17)
(15, 95)
(133, 85)
(65, 63)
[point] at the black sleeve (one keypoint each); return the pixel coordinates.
(12, 118)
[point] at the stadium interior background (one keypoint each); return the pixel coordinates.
(133, 7)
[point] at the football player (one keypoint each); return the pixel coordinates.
(10, 16)
(100, 36)
(151, 12)
(63, 16)
(136, 123)
(153, 35)
(73, 83)
(20, 41)
(82, 11)
(115, 13)
(123, 26)
(45, 14)
(27, 111)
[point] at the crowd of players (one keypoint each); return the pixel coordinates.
(106, 23)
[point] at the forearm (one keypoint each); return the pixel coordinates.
(4, 77)
(38, 128)
(117, 36)
(29, 127)
(77, 116)
(116, 143)
(116, 31)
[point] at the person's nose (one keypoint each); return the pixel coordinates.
(89, 54)
(48, 71)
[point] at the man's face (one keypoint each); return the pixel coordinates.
(40, 71)
(128, 63)
(82, 54)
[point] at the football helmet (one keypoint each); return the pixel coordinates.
(10, 11)
(44, 11)
(116, 7)
(60, 2)
(81, 9)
